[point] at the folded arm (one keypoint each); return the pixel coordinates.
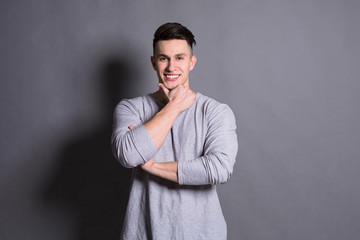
(130, 147)
(135, 146)
(215, 165)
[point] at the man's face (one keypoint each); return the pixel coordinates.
(173, 60)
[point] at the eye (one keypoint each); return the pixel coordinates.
(162, 59)
(179, 58)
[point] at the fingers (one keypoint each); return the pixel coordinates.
(181, 96)
(165, 90)
(131, 127)
(146, 166)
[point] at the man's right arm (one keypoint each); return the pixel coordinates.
(178, 100)
(136, 146)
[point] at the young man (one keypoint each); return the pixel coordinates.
(180, 144)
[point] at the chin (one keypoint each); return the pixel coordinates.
(170, 85)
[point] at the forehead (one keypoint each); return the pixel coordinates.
(172, 47)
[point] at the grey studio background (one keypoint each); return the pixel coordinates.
(289, 70)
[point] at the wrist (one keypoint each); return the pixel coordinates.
(173, 107)
(148, 166)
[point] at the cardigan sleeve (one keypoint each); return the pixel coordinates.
(220, 148)
(130, 147)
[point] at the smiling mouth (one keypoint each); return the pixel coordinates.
(172, 77)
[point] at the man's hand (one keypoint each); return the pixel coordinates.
(147, 166)
(181, 97)
(131, 127)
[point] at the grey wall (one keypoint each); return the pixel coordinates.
(289, 69)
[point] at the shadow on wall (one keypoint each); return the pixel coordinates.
(89, 183)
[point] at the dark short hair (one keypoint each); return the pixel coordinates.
(170, 31)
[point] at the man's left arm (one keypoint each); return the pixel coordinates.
(216, 165)
(167, 170)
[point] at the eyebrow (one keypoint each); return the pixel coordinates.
(176, 55)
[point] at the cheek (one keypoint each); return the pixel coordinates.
(187, 68)
(184, 66)
(161, 67)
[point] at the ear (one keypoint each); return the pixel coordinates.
(193, 60)
(153, 62)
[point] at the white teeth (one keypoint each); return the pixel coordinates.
(172, 76)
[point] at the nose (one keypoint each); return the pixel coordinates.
(171, 65)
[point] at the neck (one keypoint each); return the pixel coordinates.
(160, 96)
